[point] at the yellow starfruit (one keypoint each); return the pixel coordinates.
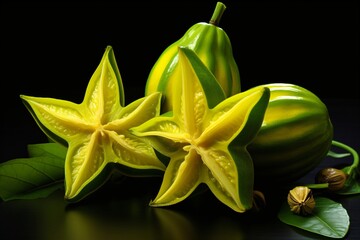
(96, 131)
(205, 137)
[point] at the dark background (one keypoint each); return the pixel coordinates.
(51, 49)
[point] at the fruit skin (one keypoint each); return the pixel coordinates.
(295, 136)
(212, 45)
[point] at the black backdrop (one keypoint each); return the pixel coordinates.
(52, 49)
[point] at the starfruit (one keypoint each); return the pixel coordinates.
(206, 136)
(96, 131)
(212, 45)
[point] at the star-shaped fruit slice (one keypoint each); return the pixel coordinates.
(205, 137)
(96, 131)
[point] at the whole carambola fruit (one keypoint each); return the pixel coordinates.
(295, 136)
(212, 45)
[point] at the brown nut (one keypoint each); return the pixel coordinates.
(301, 200)
(336, 178)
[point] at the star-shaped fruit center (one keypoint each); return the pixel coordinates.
(96, 131)
(206, 137)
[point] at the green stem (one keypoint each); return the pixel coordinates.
(355, 155)
(318, 185)
(217, 14)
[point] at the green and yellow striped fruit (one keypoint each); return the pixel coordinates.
(295, 136)
(213, 47)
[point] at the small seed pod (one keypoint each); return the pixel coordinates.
(259, 201)
(336, 178)
(301, 200)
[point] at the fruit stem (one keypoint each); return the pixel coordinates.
(217, 14)
(355, 155)
(318, 185)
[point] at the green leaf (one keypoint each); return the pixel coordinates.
(352, 184)
(329, 218)
(34, 177)
(47, 149)
(351, 187)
